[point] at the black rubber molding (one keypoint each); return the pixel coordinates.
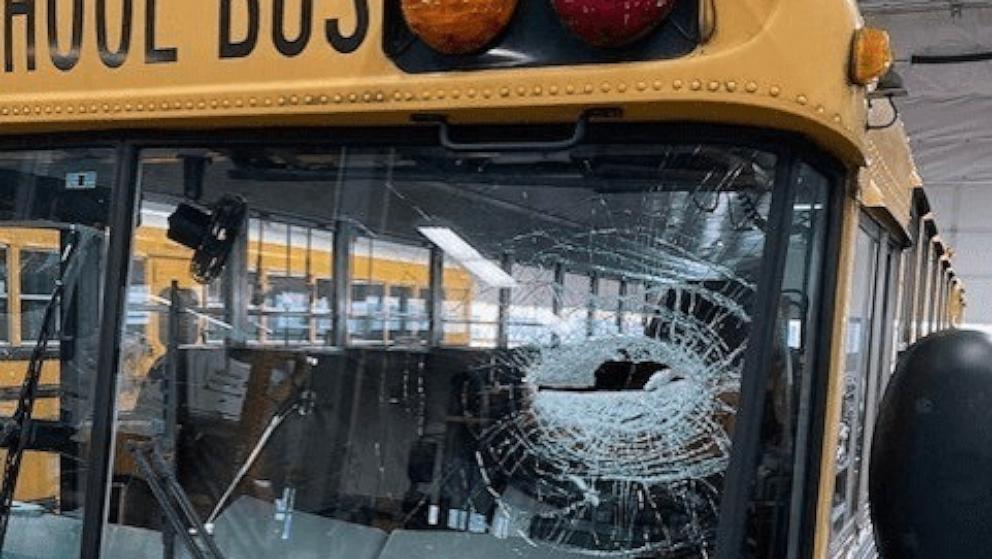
(951, 58)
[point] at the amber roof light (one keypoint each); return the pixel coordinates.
(458, 26)
(871, 55)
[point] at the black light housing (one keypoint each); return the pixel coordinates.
(537, 37)
(210, 233)
(890, 85)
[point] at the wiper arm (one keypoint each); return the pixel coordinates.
(15, 435)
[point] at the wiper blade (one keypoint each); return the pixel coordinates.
(16, 433)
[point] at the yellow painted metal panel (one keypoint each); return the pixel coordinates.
(40, 470)
(780, 64)
(835, 388)
(891, 175)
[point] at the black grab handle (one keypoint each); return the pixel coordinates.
(578, 134)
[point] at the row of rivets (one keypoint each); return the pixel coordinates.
(730, 86)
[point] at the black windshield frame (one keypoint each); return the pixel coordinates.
(790, 149)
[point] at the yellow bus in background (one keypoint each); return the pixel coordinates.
(296, 315)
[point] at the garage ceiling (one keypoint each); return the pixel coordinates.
(944, 54)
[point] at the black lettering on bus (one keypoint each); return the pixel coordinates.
(12, 9)
(153, 53)
(116, 58)
(68, 61)
(229, 48)
(350, 43)
(291, 47)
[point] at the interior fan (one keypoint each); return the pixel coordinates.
(211, 233)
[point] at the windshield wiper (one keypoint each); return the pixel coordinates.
(16, 434)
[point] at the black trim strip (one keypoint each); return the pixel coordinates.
(742, 470)
(951, 58)
(422, 134)
(103, 430)
(824, 364)
(12, 393)
(49, 436)
(22, 352)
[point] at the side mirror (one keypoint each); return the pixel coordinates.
(930, 479)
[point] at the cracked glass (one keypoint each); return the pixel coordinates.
(490, 354)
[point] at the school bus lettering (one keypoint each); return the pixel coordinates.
(634, 301)
(117, 24)
(155, 54)
(233, 48)
(113, 59)
(349, 43)
(286, 45)
(12, 9)
(67, 61)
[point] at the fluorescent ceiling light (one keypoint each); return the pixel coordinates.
(466, 255)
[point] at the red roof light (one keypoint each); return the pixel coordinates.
(612, 23)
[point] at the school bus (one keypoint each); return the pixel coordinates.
(508, 278)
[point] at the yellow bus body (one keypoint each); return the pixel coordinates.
(779, 64)
(773, 64)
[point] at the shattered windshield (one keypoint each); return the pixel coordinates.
(420, 353)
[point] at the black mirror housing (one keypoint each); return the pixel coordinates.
(931, 462)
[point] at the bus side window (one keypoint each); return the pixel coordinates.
(39, 272)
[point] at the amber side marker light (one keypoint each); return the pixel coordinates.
(458, 26)
(871, 55)
(612, 23)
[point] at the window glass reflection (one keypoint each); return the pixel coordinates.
(460, 355)
(50, 235)
(788, 423)
(39, 271)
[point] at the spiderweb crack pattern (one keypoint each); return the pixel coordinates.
(622, 472)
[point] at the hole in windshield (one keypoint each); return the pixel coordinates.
(485, 354)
